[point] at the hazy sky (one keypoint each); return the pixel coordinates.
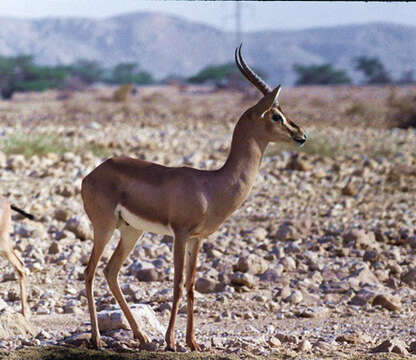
(255, 15)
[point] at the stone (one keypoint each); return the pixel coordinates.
(349, 190)
(61, 214)
(259, 234)
(274, 342)
(410, 277)
(393, 345)
(389, 302)
(287, 231)
(81, 339)
(79, 226)
(360, 239)
(284, 338)
(3, 160)
(289, 263)
(361, 277)
(16, 162)
(54, 248)
(206, 285)
(252, 264)
(15, 324)
(144, 315)
(3, 305)
(295, 297)
(299, 164)
(148, 275)
(241, 279)
(304, 346)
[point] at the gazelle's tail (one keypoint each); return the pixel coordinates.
(20, 211)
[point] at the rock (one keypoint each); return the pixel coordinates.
(284, 338)
(299, 164)
(241, 279)
(295, 297)
(54, 248)
(349, 190)
(14, 324)
(81, 339)
(79, 226)
(412, 347)
(389, 302)
(289, 263)
(393, 345)
(360, 239)
(274, 342)
(259, 234)
(410, 277)
(61, 214)
(371, 255)
(287, 231)
(205, 285)
(148, 275)
(362, 297)
(16, 162)
(361, 277)
(66, 190)
(305, 346)
(3, 304)
(252, 264)
(144, 315)
(3, 160)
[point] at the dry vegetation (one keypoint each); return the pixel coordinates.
(327, 235)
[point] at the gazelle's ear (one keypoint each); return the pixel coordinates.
(266, 102)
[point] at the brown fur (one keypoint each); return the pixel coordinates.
(194, 203)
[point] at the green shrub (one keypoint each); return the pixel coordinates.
(320, 75)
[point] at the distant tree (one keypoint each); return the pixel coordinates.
(126, 73)
(373, 69)
(221, 75)
(323, 74)
(88, 71)
(407, 77)
(20, 73)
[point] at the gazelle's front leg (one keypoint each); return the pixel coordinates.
(192, 257)
(179, 244)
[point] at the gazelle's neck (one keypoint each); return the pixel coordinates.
(242, 165)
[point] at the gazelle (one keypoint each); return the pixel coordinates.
(6, 248)
(188, 204)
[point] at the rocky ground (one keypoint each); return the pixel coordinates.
(319, 262)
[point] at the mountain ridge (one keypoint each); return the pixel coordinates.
(170, 45)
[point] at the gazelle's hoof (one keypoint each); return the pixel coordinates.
(193, 345)
(97, 343)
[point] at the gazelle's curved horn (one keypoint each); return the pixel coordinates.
(249, 73)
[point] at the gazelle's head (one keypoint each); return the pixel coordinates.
(271, 122)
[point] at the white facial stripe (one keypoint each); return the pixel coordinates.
(140, 223)
(281, 114)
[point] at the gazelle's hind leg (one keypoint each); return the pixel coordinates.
(129, 237)
(102, 234)
(21, 273)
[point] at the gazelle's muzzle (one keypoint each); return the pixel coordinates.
(300, 140)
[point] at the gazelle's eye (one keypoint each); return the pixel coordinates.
(277, 117)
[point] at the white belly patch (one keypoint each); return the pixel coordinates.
(142, 224)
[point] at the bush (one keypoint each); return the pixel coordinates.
(320, 75)
(373, 70)
(403, 111)
(126, 73)
(225, 75)
(21, 74)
